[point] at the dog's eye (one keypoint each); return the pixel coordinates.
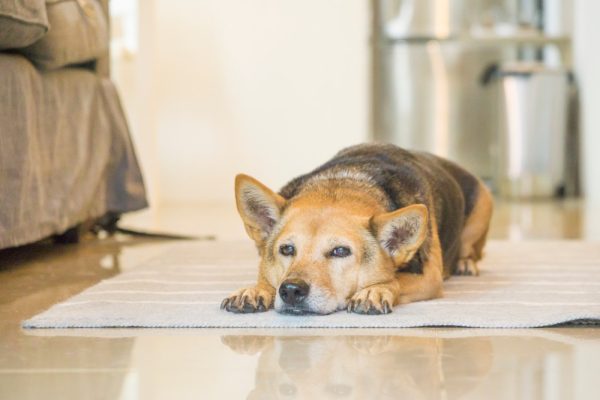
(287, 250)
(340, 251)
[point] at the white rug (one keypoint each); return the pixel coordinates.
(522, 284)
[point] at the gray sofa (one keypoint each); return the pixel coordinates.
(66, 155)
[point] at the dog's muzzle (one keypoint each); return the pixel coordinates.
(293, 292)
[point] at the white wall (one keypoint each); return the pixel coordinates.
(273, 88)
(267, 87)
(133, 70)
(586, 35)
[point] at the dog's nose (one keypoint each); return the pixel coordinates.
(293, 291)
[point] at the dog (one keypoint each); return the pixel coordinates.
(375, 227)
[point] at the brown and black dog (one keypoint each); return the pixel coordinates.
(374, 227)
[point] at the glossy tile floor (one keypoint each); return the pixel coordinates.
(556, 363)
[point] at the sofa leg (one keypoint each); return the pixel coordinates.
(108, 223)
(70, 236)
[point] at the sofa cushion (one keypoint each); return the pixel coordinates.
(78, 33)
(23, 22)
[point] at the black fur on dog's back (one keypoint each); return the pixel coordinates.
(409, 178)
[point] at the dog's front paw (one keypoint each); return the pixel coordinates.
(376, 299)
(248, 300)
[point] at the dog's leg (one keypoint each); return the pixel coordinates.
(257, 298)
(474, 233)
(404, 288)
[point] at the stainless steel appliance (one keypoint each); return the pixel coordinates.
(431, 60)
(532, 130)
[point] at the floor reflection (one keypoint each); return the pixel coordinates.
(434, 365)
(360, 367)
(543, 219)
(42, 274)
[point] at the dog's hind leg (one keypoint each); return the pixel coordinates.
(474, 233)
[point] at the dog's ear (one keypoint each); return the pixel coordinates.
(400, 233)
(259, 207)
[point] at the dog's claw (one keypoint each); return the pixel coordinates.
(350, 306)
(368, 305)
(224, 303)
(357, 304)
(245, 306)
(261, 304)
(386, 307)
(231, 304)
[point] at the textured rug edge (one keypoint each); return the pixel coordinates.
(583, 320)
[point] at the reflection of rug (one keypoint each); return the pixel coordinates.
(522, 284)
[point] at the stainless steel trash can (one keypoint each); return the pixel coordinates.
(532, 135)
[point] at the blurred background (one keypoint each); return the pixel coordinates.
(273, 88)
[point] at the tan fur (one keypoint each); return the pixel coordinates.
(316, 223)
(474, 233)
(246, 186)
(353, 214)
(416, 287)
(381, 222)
(404, 288)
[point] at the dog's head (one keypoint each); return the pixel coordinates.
(322, 246)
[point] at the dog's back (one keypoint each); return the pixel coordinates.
(406, 178)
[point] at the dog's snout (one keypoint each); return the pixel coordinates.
(293, 291)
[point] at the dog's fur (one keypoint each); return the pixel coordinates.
(404, 220)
